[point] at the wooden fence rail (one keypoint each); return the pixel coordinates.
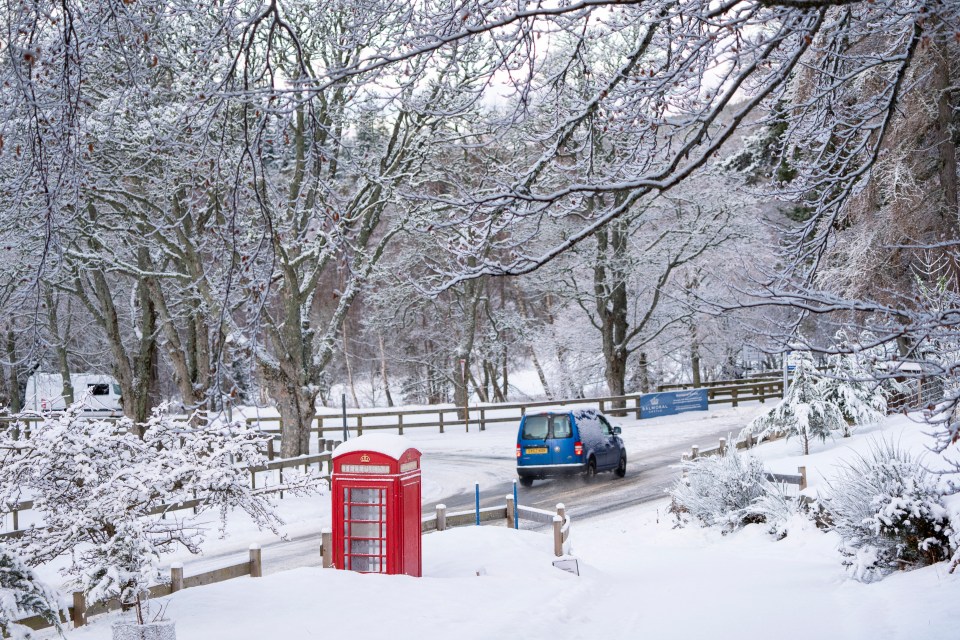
(322, 460)
(479, 416)
(80, 611)
(799, 479)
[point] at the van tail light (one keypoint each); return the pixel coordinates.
(578, 448)
(518, 451)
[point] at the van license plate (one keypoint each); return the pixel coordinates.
(536, 449)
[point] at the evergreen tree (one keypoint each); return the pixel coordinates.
(804, 412)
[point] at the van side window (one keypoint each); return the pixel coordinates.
(99, 389)
(561, 426)
(605, 426)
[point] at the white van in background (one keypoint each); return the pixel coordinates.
(99, 393)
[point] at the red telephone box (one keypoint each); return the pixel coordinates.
(376, 505)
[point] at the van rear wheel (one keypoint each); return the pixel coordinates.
(526, 481)
(591, 473)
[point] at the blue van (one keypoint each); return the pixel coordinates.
(565, 442)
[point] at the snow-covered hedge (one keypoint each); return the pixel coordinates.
(890, 513)
(729, 491)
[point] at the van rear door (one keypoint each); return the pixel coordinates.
(533, 440)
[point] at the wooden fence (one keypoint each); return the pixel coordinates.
(768, 375)
(79, 613)
(322, 460)
(799, 479)
(481, 416)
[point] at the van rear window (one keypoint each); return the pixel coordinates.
(535, 428)
(544, 427)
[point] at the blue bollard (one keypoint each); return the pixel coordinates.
(516, 507)
(478, 503)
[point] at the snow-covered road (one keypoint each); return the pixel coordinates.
(454, 461)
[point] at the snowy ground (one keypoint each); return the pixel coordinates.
(639, 576)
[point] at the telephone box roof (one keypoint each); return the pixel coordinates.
(388, 444)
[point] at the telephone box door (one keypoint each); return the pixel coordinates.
(366, 529)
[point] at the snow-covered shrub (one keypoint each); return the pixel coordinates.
(98, 488)
(804, 412)
(21, 595)
(889, 511)
(730, 491)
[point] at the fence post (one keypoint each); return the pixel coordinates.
(256, 561)
(253, 479)
(359, 425)
(759, 390)
(694, 452)
(270, 448)
(79, 615)
(16, 519)
(638, 406)
(319, 434)
(400, 424)
(600, 404)
(723, 447)
(803, 477)
(510, 508)
(326, 547)
(176, 577)
(734, 394)
(557, 536)
(483, 419)
(441, 420)
(441, 517)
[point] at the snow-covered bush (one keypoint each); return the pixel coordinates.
(730, 491)
(21, 595)
(804, 412)
(99, 489)
(889, 511)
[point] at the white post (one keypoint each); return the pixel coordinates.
(326, 547)
(557, 536)
(256, 561)
(441, 517)
(176, 577)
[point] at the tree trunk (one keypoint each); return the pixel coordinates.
(644, 373)
(383, 371)
(695, 365)
(541, 374)
(60, 345)
(16, 401)
(610, 295)
(346, 360)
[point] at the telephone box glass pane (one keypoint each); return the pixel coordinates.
(364, 515)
